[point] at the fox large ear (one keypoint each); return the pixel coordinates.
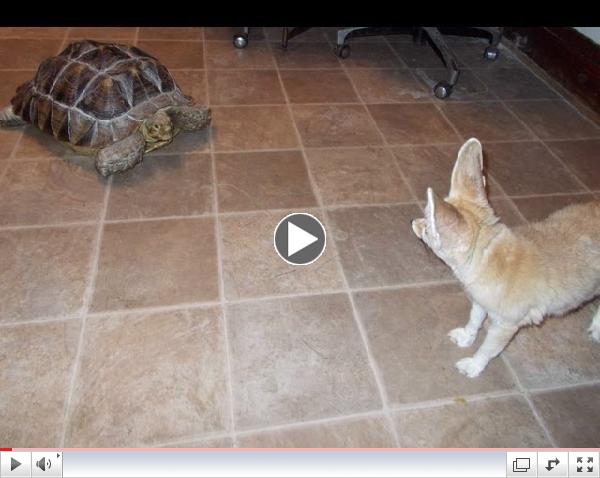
(443, 218)
(467, 180)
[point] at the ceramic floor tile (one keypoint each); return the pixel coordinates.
(357, 176)
(387, 85)
(11, 80)
(378, 247)
(407, 331)
(171, 185)
(44, 272)
(244, 87)
(582, 158)
(192, 83)
(489, 121)
(8, 140)
(220, 54)
(50, 192)
(253, 127)
(172, 363)
(494, 423)
(153, 263)
(314, 34)
(527, 168)
(372, 432)
(252, 268)
(415, 55)
(371, 55)
(270, 180)
(35, 369)
(514, 83)
(318, 86)
(572, 415)
(431, 166)
(305, 55)
(412, 124)
(175, 54)
(468, 87)
(559, 352)
(23, 54)
(335, 125)
(539, 208)
(554, 119)
(297, 359)
(36, 144)
(32, 32)
(170, 33)
(227, 33)
(107, 34)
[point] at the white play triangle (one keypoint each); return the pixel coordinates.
(298, 239)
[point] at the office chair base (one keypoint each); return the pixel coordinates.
(491, 53)
(240, 41)
(442, 90)
(342, 51)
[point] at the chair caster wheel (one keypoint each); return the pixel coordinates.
(442, 90)
(491, 53)
(343, 51)
(240, 40)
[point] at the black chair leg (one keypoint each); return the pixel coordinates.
(443, 89)
(240, 40)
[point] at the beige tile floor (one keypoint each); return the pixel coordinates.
(150, 309)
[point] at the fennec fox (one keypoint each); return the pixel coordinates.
(515, 276)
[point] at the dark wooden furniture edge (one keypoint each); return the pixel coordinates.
(569, 57)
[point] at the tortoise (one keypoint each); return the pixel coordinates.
(107, 99)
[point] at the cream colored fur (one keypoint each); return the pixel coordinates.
(515, 276)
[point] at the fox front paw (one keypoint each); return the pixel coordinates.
(469, 367)
(461, 337)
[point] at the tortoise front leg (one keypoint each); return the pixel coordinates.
(189, 118)
(9, 119)
(122, 155)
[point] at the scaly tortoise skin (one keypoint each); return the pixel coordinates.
(111, 100)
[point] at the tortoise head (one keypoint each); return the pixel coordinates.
(158, 130)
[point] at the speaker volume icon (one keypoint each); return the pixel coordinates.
(43, 464)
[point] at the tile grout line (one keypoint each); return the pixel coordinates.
(408, 407)
(317, 193)
(377, 373)
(385, 144)
(502, 196)
(242, 301)
(526, 395)
(547, 148)
(87, 299)
(219, 253)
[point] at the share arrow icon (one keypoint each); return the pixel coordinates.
(550, 464)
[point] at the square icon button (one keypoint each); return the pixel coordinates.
(584, 463)
(47, 463)
(521, 463)
(552, 463)
(15, 463)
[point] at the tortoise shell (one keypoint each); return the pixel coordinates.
(93, 94)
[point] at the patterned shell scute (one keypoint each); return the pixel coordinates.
(93, 94)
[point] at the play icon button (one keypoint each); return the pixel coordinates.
(299, 239)
(14, 464)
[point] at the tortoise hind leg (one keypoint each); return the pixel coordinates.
(122, 155)
(9, 119)
(189, 118)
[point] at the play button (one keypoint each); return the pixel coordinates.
(299, 239)
(14, 464)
